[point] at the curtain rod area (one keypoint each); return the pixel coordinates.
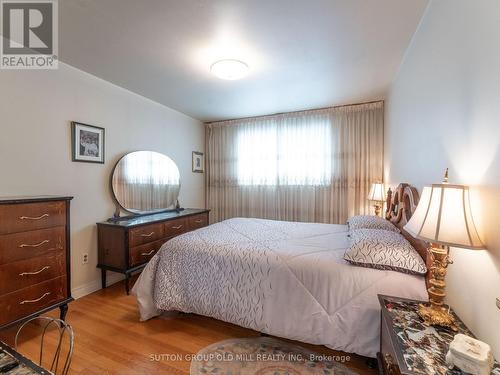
(292, 112)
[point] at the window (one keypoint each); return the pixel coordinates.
(284, 154)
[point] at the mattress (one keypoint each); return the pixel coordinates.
(285, 279)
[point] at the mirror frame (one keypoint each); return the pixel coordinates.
(118, 205)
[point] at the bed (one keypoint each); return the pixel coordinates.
(285, 279)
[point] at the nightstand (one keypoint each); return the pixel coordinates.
(409, 347)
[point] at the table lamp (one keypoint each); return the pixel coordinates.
(442, 217)
(377, 195)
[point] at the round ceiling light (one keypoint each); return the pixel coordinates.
(229, 69)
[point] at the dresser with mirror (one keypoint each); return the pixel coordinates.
(145, 185)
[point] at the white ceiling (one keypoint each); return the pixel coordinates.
(302, 54)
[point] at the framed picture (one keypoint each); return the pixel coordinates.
(87, 143)
(198, 162)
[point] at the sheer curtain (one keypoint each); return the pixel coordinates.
(314, 166)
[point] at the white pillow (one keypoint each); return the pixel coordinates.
(371, 222)
(385, 250)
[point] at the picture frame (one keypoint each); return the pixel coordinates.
(198, 162)
(87, 143)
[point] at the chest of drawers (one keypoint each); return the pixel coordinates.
(34, 257)
(125, 246)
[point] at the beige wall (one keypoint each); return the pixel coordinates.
(36, 108)
(444, 111)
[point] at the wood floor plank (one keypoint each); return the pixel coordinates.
(109, 339)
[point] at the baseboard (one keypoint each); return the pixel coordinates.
(95, 285)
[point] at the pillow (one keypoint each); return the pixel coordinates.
(371, 222)
(384, 250)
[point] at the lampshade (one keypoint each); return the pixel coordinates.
(377, 192)
(443, 216)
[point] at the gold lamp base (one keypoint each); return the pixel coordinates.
(435, 313)
(436, 316)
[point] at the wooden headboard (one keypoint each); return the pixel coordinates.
(401, 204)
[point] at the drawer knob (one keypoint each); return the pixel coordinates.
(34, 300)
(177, 227)
(146, 254)
(34, 273)
(198, 221)
(147, 235)
(33, 218)
(34, 245)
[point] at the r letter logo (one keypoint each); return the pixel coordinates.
(29, 34)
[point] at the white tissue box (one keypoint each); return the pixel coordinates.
(470, 355)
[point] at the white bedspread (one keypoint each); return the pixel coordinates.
(282, 278)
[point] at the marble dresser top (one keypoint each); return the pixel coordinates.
(422, 348)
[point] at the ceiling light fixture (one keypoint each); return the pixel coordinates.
(229, 69)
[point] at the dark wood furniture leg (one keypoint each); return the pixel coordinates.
(127, 283)
(103, 278)
(63, 309)
(372, 363)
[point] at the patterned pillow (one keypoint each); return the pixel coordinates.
(384, 250)
(371, 222)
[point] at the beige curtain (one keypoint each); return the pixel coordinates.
(311, 166)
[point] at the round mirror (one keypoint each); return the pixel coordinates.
(146, 181)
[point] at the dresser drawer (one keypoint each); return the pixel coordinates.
(176, 227)
(142, 254)
(198, 221)
(32, 299)
(24, 273)
(24, 217)
(145, 234)
(26, 245)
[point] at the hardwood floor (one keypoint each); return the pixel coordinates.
(109, 339)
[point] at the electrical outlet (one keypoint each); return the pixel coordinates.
(85, 258)
(498, 302)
